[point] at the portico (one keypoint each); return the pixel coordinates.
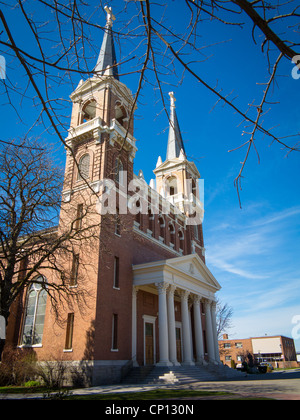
(185, 283)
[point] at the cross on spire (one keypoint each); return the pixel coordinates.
(106, 63)
(110, 16)
(172, 99)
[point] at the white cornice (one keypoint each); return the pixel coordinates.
(188, 272)
(98, 83)
(176, 164)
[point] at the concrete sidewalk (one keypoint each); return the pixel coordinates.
(279, 385)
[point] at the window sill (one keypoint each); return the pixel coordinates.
(21, 346)
(114, 350)
(67, 350)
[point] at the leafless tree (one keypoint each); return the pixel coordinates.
(158, 45)
(32, 242)
(224, 314)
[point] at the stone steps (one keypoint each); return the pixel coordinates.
(179, 375)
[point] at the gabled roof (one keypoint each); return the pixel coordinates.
(188, 272)
(171, 164)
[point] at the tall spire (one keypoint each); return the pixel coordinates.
(175, 143)
(107, 56)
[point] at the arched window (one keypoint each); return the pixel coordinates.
(35, 314)
(196, 232)
(84, 167)
(120, 114)
(172, 232)
(119, 176)
(89, 111)
(162, 225)
(151, 219)
(194, 187)
(172, 186)
(181, 239)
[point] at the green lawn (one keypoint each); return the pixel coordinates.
(156, 394)
(159, 394)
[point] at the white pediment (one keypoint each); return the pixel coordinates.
(188, 273)
(177, 164)
(193, 267)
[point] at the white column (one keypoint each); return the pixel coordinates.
(172, 326)
(163, 325)
(186, 332)
(134, 325)
(198, 330)
(190, 304)
(209, 331)
(215, 333)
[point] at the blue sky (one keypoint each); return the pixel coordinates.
(253, 251)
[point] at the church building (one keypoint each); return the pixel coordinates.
(151, 297)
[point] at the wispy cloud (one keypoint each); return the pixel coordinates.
(244, 249)
(277, 217)
(233, 268)
(257, 265)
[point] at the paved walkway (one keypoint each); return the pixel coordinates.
(283, 385)
(280, 386)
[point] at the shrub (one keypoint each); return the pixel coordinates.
(32, 384)
(52, 373)
(17, 366)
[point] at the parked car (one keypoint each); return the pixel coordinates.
(269, 365)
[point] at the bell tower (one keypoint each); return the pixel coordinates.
(100, 140)
(177, 181)
(176, 177)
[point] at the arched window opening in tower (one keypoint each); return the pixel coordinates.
(89, 111)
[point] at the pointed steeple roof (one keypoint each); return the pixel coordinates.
(107, 56)
(175, 143)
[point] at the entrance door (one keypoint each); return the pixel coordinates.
(149, 344)
(178, 344)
